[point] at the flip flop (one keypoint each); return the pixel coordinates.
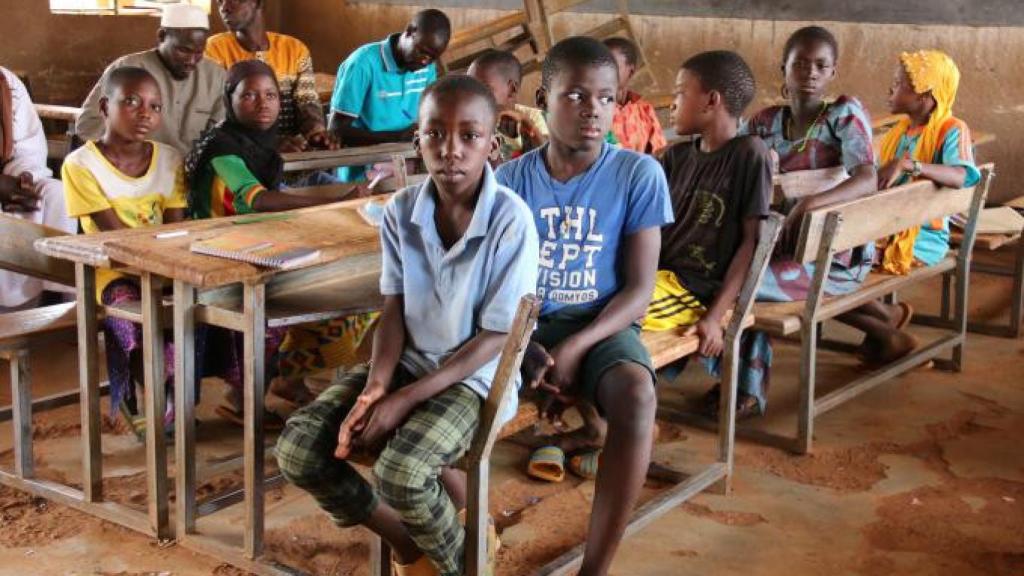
(547, 463)
(136, 421)
(271, 421)
(585, 464)
(908, 315)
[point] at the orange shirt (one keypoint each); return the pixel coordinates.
(636, 126)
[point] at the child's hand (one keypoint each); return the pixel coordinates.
(889, 174)
(567, 357)
(288, 144)
(709, 330)
(356, 420)
(385, 416)
(535, 366)
(322, 139)
(18, 194)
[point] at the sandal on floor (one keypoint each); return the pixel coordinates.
(747, 405)
(547, 463)
(137, 422)
(585, 464)
(271, 421)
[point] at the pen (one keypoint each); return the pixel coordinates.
(171, 234)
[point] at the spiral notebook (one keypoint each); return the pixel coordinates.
(244, 246)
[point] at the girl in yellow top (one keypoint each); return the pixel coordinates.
(123, 181)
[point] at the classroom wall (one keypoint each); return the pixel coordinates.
(992, 85)
(63, 55)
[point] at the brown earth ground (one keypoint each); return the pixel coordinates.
(922, 476)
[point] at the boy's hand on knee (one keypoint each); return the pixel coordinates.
(567, 357)
(383, 419)
(356, 420)
(709, 330)
(535, 366)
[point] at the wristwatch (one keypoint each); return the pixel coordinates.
(916, 171)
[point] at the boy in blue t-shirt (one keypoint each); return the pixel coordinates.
(378, 88)
(599, 211)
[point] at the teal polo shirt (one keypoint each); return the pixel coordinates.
(380, 95)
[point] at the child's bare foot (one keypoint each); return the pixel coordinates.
(293, 391)
(891, 349)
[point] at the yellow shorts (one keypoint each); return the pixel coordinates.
(672, 305)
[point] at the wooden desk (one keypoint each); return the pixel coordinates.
(55, 112)
(224, 293)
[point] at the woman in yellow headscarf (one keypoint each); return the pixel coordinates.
(929, 143)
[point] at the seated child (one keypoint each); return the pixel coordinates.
(810, 132)
(721, 185)
(930, 143)
(123, 181)
(465, 250)
(636, 124)
(520, 128)
(599, 210)
(236, 169)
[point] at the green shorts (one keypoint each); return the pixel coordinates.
(621, 347)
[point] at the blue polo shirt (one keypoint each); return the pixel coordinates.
(451, 295)
(380, 95)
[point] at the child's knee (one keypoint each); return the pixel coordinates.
(630, 395)
(301, 460)
(402, 480)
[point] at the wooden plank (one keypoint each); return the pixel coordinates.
(155, 401)
(353, 156)
(88, 381)
(54, 112)
(802, 183)
(888, 212)
(50, 401)
(21, 403)
(18, 254)
(467, 36)
(786, 318)
(37, 321)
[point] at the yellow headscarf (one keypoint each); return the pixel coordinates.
(929, 71)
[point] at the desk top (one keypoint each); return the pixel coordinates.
(337, 230)
(353, 156)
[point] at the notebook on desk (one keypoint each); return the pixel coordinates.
(244, 246)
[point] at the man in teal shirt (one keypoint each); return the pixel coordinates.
(378, 88)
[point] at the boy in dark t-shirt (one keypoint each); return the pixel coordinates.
(720, 185)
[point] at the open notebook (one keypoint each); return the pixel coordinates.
(244, 246)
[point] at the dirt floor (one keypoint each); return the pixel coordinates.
(921, 476)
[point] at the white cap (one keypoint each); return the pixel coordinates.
(184, 16)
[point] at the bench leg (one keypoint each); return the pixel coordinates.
(808, 358)
(727, 412)
(155, 399)
(476, 518)
(1017, 296)
(88, 382)
(380, 556)
(960, 314)
(21, 403)
(944, 312)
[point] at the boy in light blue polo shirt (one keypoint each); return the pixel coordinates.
(459, 252)
(378, 87)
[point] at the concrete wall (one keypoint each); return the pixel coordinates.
(63, 55)
(992, 86)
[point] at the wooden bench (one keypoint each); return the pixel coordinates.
(844, 226)
(988, 243)
(665, 347)
(20, 330)
(57, 149)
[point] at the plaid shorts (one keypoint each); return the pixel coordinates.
(436, 434)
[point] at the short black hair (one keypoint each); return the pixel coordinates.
(627, 47)
(807, 35)
(454, 84)
(122, 75)
(727, 73)
(575, 52)
(432, 22)
(505, 63)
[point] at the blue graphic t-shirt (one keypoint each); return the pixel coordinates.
(582, 223)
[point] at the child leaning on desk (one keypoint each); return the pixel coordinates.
(125, 181)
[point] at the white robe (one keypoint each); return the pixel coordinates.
(30, 156)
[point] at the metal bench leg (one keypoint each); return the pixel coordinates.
(944, 312)
(727, 411)
(1017, 296)
(21, 403)
(808, 358)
